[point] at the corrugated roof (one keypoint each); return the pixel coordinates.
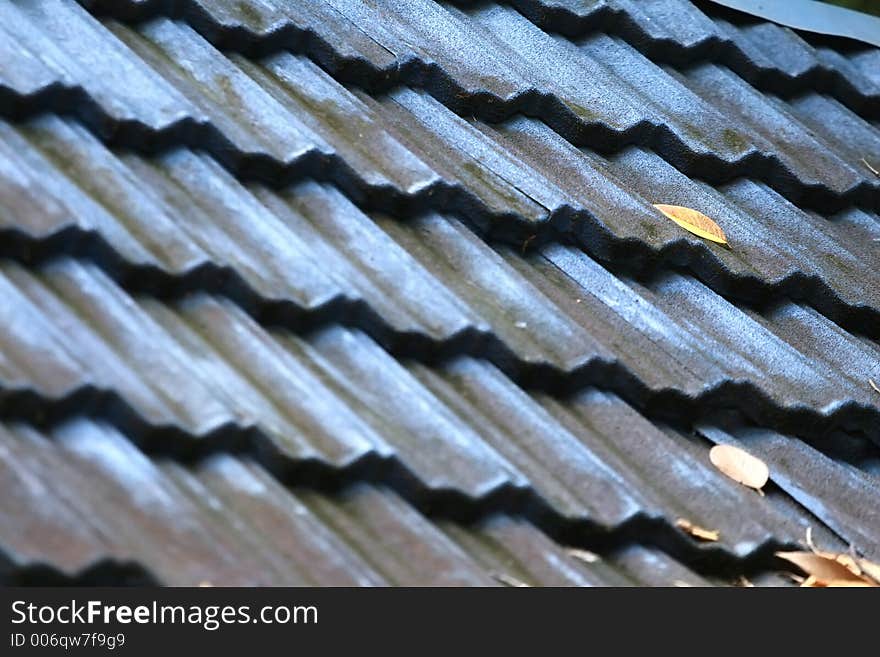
(229, 522)
(414, 250)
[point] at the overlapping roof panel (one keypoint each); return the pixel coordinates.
(414, 246)
(229, 522)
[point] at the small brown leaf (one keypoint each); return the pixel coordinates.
(817, 565)
(866, 570)
(696, 531)
(694, 222)
(740, 466)
(828, 569)
(832, 568)
(851, 563)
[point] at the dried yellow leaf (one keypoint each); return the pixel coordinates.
(866, 570)
(847, 561)
(874, 385)
(694, 222)
(828, 569)
(740, 466)
(817, 565)
(696, 531)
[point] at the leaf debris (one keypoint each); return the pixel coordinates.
(740, 466)
(510, 580)
(870, 168)
(874, 385)
(826, 569)
(696, 531)
(808, 539)
(584, 555)
(693, 222)
(821, 567)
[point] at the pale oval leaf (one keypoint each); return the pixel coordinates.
(694, 222)
(740, 466)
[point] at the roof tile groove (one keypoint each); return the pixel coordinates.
(772, 58)
(507, 172)
(581, 312)
(229, 521)
(344, 293)
(674, 32)
(337, 398)
(416, 176)
(704, 144)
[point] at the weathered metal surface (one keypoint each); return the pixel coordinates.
(350, 241)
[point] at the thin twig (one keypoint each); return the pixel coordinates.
(509, 580)
(872, 169)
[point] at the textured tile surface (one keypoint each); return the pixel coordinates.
(229, 522)
(250, 249)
